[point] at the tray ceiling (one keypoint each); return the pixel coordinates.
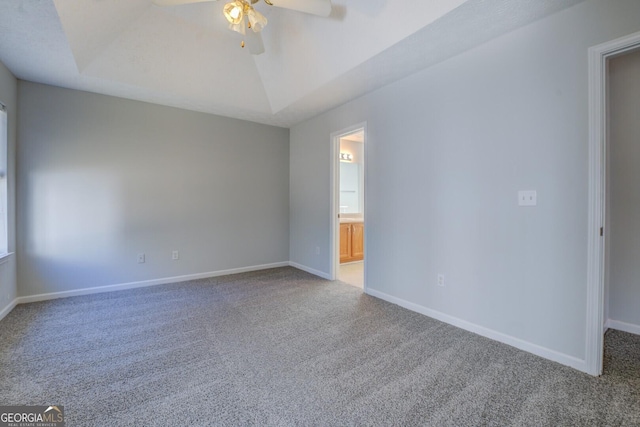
(184, 56)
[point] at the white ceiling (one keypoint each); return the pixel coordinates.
(184, 56)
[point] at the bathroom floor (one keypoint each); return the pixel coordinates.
(352, 274)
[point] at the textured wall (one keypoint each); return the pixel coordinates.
(463, 137)
(9, 97)
(102, 179)
(624, 278)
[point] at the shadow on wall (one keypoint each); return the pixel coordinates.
(75, 220)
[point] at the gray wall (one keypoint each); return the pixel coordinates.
(624, 213)
(102, 179)
(9, 97)
(462, 138)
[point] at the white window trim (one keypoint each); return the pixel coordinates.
(5, 257)
(4, 201)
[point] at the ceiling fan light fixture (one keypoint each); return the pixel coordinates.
(234, 12)
(238, 28)
(241, 15)
(257, 20)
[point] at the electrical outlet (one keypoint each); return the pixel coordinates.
(317, 250)
(175, 255)
(141, 258)
(527, 198)
(441, 280)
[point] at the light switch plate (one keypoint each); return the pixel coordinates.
(527, 198)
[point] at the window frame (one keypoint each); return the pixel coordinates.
(4, 184)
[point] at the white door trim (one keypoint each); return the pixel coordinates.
(598, 56)
(335, 198)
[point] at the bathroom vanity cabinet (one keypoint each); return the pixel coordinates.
(351, 241)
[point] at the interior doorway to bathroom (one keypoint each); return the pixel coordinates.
(349, 206)
(613, 88)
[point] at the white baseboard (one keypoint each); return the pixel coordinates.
(544, 352)
(624, 327)
(8, 308)
(145, 283)
(310, 270)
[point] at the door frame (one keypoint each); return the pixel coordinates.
(334, 186)
(598, 142)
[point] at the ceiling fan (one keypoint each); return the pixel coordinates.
(242, 16)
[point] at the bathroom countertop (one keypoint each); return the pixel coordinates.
(350, 220)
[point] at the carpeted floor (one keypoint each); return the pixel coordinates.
(282, 347)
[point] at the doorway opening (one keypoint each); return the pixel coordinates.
(348, 205)
(599, 236)
(622, 210)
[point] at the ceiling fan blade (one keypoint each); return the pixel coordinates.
(253, 42)
(314, 7)
(177, 2)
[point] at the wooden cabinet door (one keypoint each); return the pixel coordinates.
(357, 241)
(345, 242)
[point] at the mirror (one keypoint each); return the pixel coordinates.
(352, 174)
(350, 188)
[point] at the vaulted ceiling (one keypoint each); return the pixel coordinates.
(185, 56)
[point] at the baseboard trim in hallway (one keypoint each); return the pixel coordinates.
(623, 326)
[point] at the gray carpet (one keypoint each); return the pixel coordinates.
(282, 347)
